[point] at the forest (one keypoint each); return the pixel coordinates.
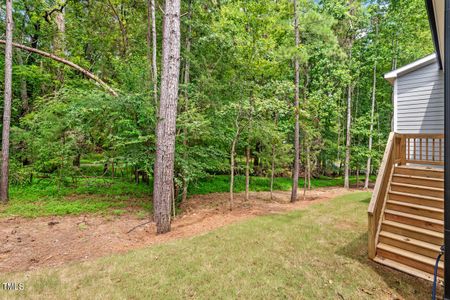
(258, 89)
(222, 149)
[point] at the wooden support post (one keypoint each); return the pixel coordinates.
(403, 150)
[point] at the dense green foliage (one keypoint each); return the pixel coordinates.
(66, 130)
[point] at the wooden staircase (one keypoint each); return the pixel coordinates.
(412, 227)
(406, 215)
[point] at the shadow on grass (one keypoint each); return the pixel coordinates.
(400, 282)
(366, 200)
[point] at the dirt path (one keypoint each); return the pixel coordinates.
(27, 244)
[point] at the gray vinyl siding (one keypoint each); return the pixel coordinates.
(420, 101)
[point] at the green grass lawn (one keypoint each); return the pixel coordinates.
(104, 195)
(318, 253)
(92, 195)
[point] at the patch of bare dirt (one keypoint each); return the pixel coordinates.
(27, 244)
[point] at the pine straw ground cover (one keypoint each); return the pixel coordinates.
(317, 253)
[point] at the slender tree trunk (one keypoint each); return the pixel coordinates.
(232, 157)
(308, 165)
(232, 169)
(154, 54)
(272, 172)
(247, 173)
(166, 129)
(357, 177)
(305, 180)
(122, 26)
(149, 45)
(23, 89)
(4, 189)
(297, 112)
(372, 113)
(394, 66)
(338, 158)
(77, 160)
(174, 195)
(186, 96)
(349, 138)
(185, 190)
(59, 41)
(112, 169)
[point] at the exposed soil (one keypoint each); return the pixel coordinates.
(27, 244)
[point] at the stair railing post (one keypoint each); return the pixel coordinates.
(402, 150)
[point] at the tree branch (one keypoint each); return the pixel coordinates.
(48, 14)
(68, 63)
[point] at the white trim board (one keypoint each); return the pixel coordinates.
(393, 75)
(395, 106)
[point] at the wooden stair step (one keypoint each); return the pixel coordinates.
(417, 189)
(418, 180)
(422, 210)
(420, 177)
(411, 259)
(410, 244)
(439, 189)
(414, 232)
(415, 220)
(420, 171)
(404, 268)
(417, 199)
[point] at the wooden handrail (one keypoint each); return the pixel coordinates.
(425, 149)
(421, 135)
(422, 148)
(380, 191)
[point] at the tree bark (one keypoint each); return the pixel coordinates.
(305, 179)
(4, 188)
(123, 28)
(59, 41)
(296, 108)
(272, 170)
(338, 158)
(247, 172)
(349, 138)
(372, 113)
(308, 165)
(357, 178)
(149, 45)
(248, 150)
(393, 67)
(154, 52)
(186, 96)
(66, 62)
(232, 168)
(232, 157)
(166, 129)
(23, 90)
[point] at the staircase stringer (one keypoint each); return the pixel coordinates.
(383, 208)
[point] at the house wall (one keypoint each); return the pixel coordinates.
(419, 101)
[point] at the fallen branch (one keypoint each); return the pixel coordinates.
(137, 226)
(66, 62)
